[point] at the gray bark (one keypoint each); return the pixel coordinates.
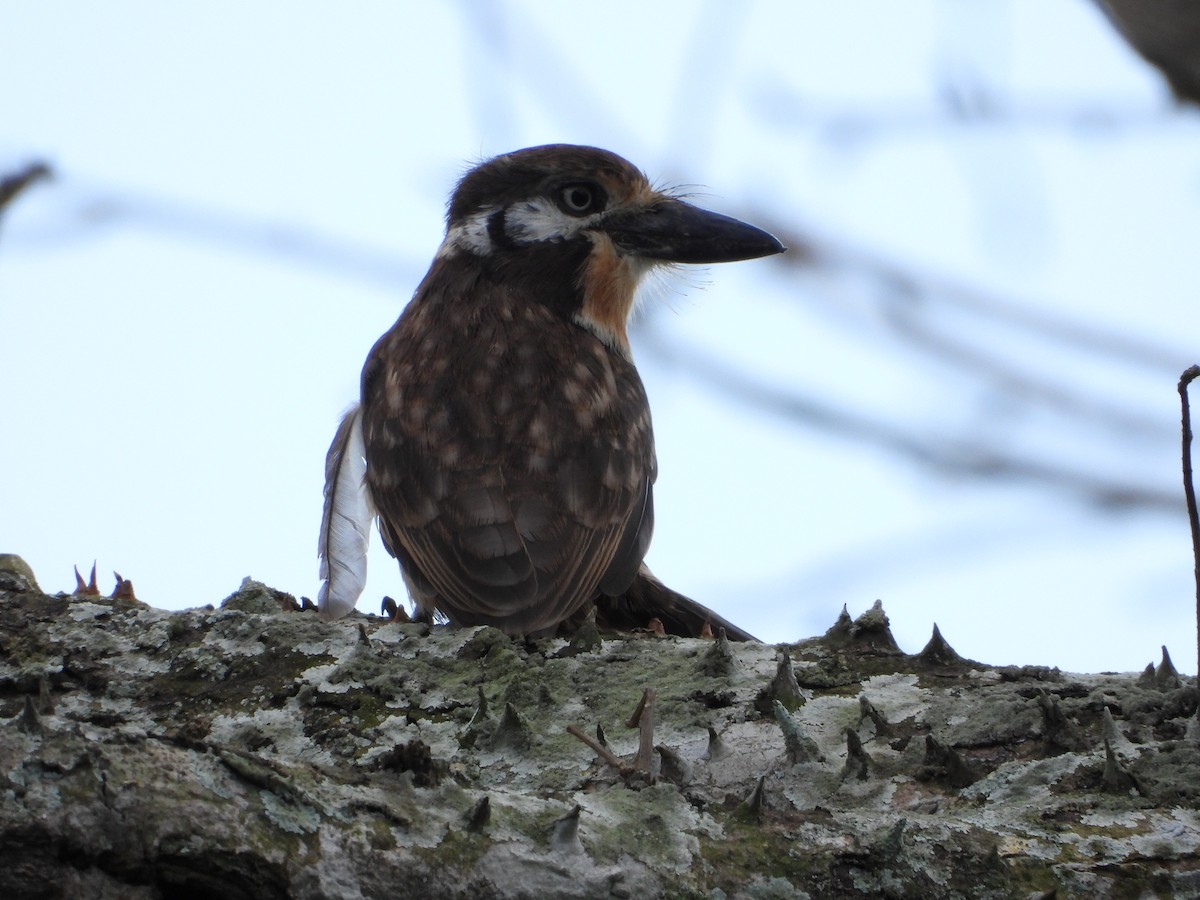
(249, 752)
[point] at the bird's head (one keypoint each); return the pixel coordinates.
(583, 225)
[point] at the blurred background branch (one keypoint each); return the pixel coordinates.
(12, 185)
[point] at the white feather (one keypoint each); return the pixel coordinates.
(346, 521)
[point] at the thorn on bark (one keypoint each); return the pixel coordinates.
(797, 745)
(1146, 679)
(513, 731)
(1109, 730)
(1166, 678)
(1118, 780)
(939, 653)
(782, 689)
(718, 660)
(891, 845)
(717, 748)
(858, 761)
(867, 710)
(415, 757)
(1059, 731)
(478, 817)
(841, 628)
(673, 767)
(31, 719)
(565, 836)
(753, 808)
(995, 861)
(586, 638)
(875, 630)
(945, 764)
(480, 726)
(481, 708)
(544, 697)
(45, 698)
(870, 633)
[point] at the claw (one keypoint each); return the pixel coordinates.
(394, 611)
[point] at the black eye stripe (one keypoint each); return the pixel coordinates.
(498, 232)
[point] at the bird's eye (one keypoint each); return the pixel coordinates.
(580, 199)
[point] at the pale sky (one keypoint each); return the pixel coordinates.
(248, 194)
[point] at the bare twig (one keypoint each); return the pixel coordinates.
(832, 120)
(938, 452)
(643, 720)
(95, 210)
(600, 750)
(812, 250)
(12, 185)
(1189, 490)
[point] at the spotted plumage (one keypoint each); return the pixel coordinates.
(504, 430)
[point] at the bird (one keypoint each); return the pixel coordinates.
(502, 440)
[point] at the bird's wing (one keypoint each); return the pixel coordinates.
(346, 520)
(635, 541)
(517, 555)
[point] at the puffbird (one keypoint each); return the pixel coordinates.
(503, 438)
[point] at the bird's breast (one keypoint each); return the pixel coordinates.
(476, 393)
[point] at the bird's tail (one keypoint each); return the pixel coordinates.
(648, 598)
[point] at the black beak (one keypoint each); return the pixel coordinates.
(674, 231)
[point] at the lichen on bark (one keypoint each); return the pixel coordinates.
(254, 751)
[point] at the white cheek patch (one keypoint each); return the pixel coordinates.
(470, 235)
(539, 219)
